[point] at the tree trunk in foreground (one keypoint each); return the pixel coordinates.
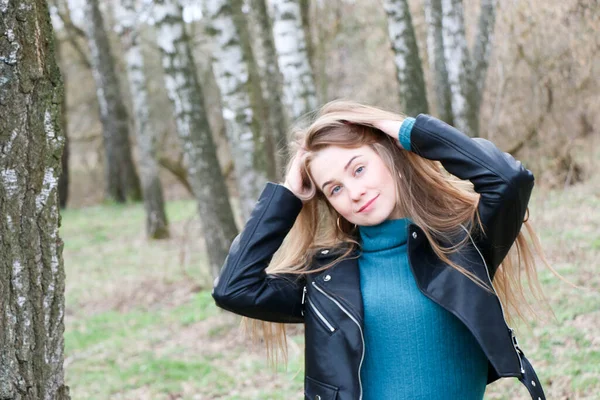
(32, 279)
(63, 181)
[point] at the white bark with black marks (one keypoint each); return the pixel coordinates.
(482, 50)
(456, 54)
(156, 218)
(409, 72)
(437, 63)
(466, 75)
(232, 73)
(274, 84)
(204, 172)
(32, 279)
(121, 179)
(298, 80)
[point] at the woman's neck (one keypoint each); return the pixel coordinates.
(389, 234)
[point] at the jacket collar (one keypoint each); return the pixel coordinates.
(342, 280)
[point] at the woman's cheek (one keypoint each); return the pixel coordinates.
(339, 206)
(346, 211)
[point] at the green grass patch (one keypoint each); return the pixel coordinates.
(135, 329)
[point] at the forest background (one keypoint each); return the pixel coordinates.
(139, 319)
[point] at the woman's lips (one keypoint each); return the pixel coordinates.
(368, 204)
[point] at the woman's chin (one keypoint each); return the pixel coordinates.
(372, 219)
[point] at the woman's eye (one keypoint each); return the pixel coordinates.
(336, 189)
(359, 170)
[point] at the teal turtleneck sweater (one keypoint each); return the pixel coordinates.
(414, 349)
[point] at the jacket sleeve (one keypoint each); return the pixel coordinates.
(503, 183)
(243, 286)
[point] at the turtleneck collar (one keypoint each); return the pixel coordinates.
(386, 235)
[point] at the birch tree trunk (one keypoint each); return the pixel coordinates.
(409, 71)
(437, 63)
(32, 279)
(185, 92)
(258, 100)
(466, 76)
(63, 180)
(305, 19)
(298, 80)
(272, 76)
(157, 226)
(121, 180)
(232, 73)
(482, 50)
(456, 54)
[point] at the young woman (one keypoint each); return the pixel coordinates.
(399, 269)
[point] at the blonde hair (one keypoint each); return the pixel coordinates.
(438, 202)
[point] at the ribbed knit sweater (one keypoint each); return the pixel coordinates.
(414, 348)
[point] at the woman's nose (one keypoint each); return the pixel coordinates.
(356, 192)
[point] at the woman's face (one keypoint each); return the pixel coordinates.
(357, 184)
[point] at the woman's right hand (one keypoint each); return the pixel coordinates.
(296, 179)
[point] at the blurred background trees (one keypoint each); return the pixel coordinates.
(230, 78)
(120, 177)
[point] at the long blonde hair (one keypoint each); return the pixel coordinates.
(438, 202)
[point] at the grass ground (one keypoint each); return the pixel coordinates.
(141, 323)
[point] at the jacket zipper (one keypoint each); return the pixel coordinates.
(362, 336)
(303, 300)
(513, 337)
(320, 315)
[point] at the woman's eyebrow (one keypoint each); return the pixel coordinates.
(345, 168)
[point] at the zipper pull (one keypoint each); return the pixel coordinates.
(303, 299)
(517, 348)
(514, 339)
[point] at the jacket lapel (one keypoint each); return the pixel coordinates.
(343, 281)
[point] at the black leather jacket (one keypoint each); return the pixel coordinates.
(330, 304)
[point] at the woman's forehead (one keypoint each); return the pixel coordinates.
(332, 161)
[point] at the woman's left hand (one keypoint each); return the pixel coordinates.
(390, 128)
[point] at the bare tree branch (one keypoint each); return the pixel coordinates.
(178, 170)
(73, 33)
(534, 128)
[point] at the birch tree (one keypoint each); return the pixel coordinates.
(258, 97)
(437, 62)
(456, 55)
(305, 18)
(121, 179)
(232, 72)
(466, 75)
(32, 278)
(409, 70)
(204, 173)
(278, 118)
(482, 49)
(298, 80)
(63, 180)
(156, 217)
